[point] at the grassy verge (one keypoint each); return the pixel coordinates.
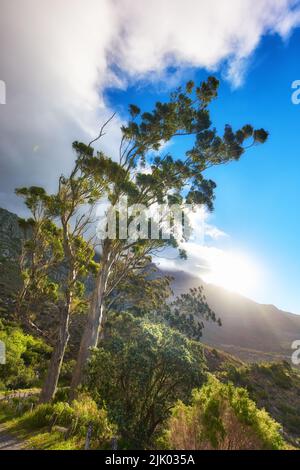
(34, 439)
(56, 426)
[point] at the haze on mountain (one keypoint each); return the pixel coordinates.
(250, 331)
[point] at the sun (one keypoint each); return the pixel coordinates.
(234, 271)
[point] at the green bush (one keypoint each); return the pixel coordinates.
(85, 412)
(26, 358)
(278, 373)
(76, 417)
(66, 372)
(140, 371)
(62, 394)
(221, 416)
(39, 418)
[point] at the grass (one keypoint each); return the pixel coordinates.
(19, 392)
(40, 439)
(44, 440)
(55, 426)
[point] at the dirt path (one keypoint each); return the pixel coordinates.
(8, 442)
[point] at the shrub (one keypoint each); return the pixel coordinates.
(220, 417)
(38, 418)
(66, 372)
(140, 371)
(85, 412)
(76, 416)
(26, 358)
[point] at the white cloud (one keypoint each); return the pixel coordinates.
(232, 270)
(211, 258)
(197, 33)
(214, 232)
(202, 231)
(58, 57)
(198, 247)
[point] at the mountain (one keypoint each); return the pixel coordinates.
(10, 249)
(250, 331)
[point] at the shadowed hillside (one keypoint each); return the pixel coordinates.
(249, 330)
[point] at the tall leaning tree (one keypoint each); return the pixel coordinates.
(59, 240)
(168, 180)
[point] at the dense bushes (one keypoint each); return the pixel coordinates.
(140, 371)
(76, 417)
(220, 417)
(143, 373)
(273, 386)
(277, 373)
(26, 358)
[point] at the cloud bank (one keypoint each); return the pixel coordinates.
(59, 56)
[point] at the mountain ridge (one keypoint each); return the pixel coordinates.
(250, 331)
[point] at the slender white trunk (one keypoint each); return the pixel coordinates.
(91, 332)
(50, 385)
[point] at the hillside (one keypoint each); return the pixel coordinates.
(274, 387)
(250, 331)
(10, 246)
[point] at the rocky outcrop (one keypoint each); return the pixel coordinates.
(10, 236)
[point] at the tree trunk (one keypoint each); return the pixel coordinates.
(91, 332)
(50, 385)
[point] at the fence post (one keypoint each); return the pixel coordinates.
(88, 437)
(114, 443)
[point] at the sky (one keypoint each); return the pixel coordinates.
(68, 64)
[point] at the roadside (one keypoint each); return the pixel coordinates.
(8, 441)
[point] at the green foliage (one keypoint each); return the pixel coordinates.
(145, 294)
(140, 371)
(42, 252)
(48, 247)
(274, 386)
(221, 416)
(140, 292)
(76, 417)
(188, 312)
(26, 358)
(280, 373)
(186, 113)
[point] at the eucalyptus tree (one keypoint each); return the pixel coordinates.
(188, 313)
(41, 253)
(60, 243)
(146, 175)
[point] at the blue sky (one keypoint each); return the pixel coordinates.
(257, 198)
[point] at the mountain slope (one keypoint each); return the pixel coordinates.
(10, 249)
(274, 387)
(249, 330)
